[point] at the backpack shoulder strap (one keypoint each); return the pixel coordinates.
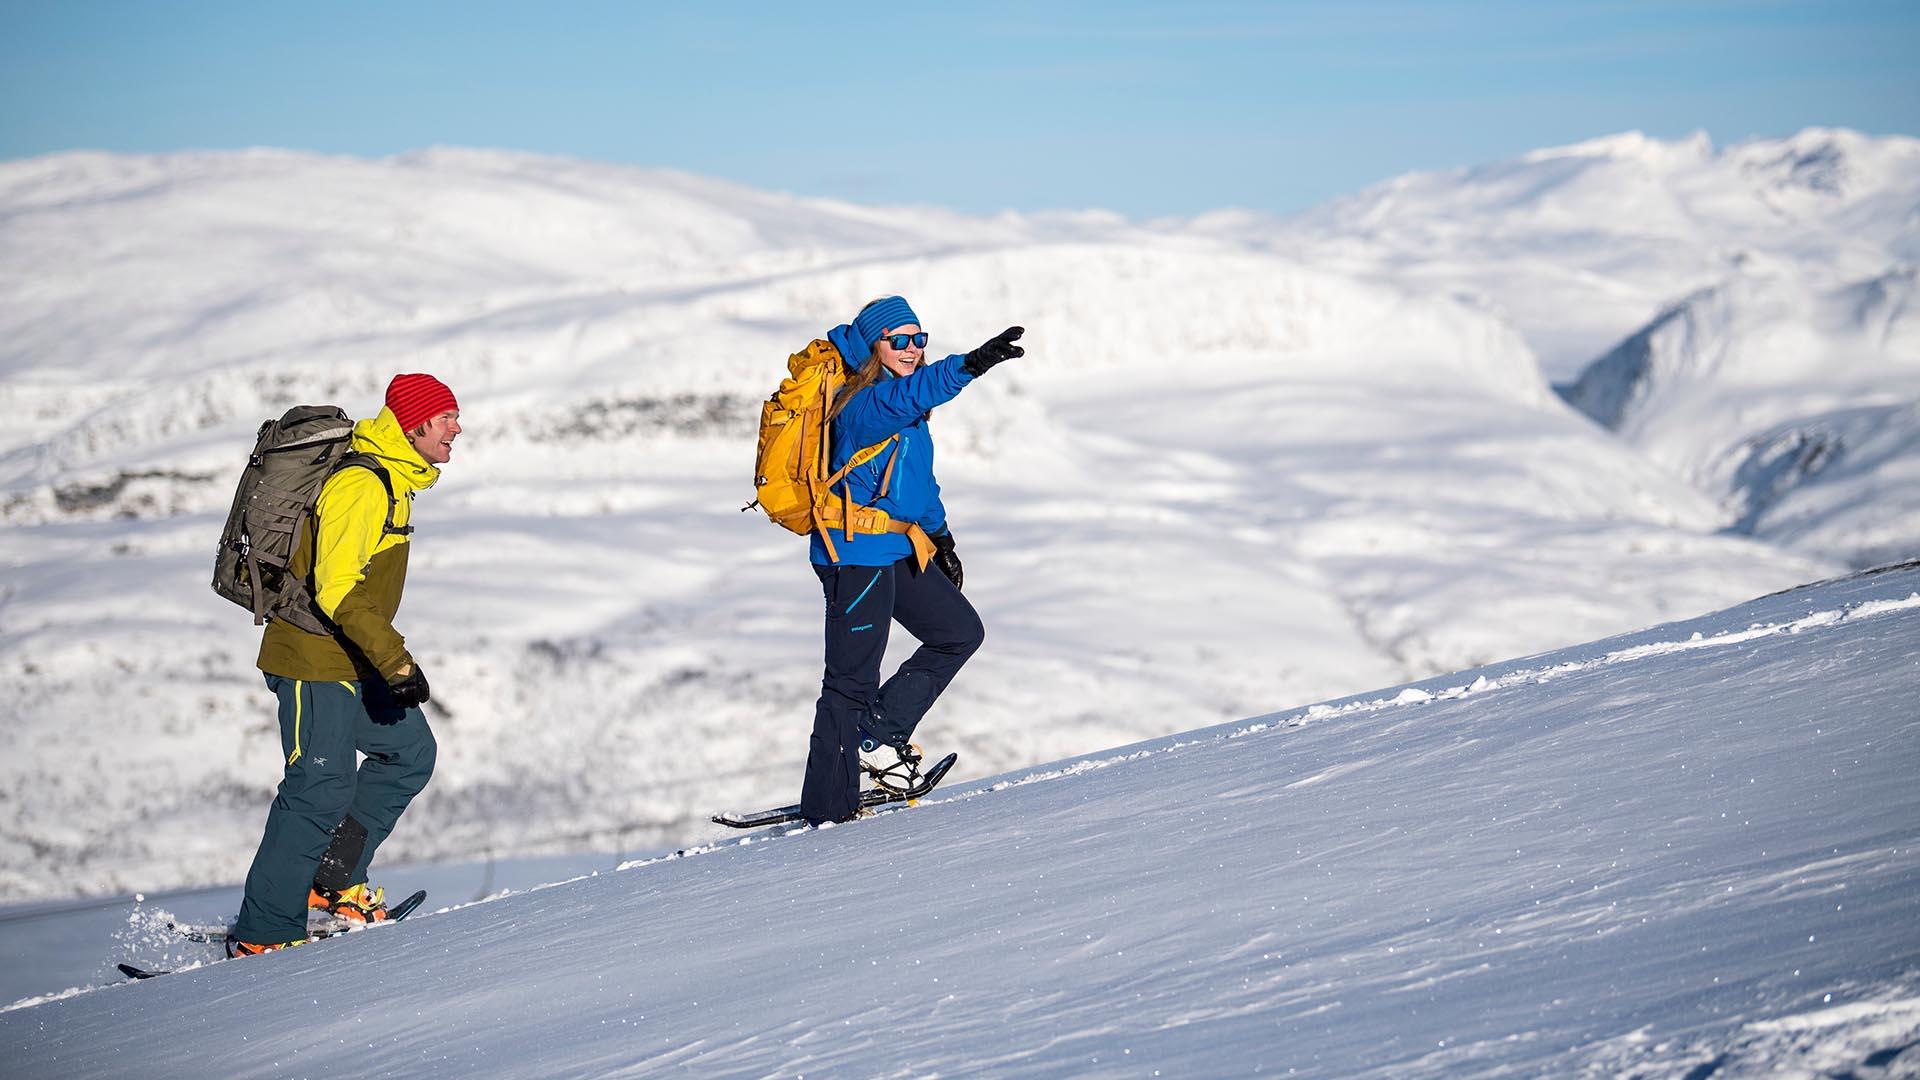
(861, 457)
(372, 464)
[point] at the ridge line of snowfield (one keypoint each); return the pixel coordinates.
(1523, 676)
(1413, 696)
(1818, 620)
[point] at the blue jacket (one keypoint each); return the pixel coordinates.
(892, 406)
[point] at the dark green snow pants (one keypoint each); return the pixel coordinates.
(321, 725)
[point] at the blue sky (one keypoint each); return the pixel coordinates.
(1148, 109)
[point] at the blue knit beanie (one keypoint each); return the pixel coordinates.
(879, 317)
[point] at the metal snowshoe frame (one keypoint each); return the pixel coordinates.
(872, 798)
(902, 777)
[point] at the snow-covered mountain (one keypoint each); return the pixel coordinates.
(1241, 467)
(1800, 410)
(1578, 246)
(1683, 852)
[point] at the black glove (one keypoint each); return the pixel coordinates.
(1000, 348)
(945, 559)
(411, 689)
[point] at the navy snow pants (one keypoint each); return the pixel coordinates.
(322, 794)
(862, 601)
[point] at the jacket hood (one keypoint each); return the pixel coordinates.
(852, 352)
(383, 437)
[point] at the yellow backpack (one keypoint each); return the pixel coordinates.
(790, 477)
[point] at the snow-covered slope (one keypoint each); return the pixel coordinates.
(1683, 852)
(1221, 445)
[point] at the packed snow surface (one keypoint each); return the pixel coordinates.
(1687, 851)
(1247, 462)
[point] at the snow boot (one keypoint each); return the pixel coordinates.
(237, 948)
(896, 768)
(353, 904)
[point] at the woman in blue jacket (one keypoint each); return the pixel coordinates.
(872, 580)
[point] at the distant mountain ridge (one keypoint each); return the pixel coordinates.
(1777, 345)
(1798, 409)
(1580, 245)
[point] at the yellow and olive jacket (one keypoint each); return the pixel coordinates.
(359, 570)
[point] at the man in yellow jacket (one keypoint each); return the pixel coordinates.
(357, 688)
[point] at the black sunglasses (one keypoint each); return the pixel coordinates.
(901, 341)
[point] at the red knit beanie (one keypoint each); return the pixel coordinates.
(416, 399)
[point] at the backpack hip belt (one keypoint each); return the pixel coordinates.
(871, 521)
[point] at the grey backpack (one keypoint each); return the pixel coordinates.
(292, 459)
